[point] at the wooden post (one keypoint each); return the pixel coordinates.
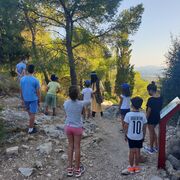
(162, 136)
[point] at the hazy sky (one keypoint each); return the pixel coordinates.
(151, 42)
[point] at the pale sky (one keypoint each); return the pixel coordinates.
(161, 18)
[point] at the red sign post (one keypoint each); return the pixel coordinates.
(166, 115)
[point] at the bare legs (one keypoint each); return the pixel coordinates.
(152, 136)
(77, 141)
(70, 149)
(31, 119)
(134, 157)
(74, 145)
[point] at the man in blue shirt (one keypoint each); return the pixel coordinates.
(30, 94)
(21, 67)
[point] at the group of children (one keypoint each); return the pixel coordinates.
(134, 123)
(133, 119)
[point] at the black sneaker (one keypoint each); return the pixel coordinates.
(33, 131)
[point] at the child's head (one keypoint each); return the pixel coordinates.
(152, 88)
(126, 89)
(73, 92)
(53, 77)
(31, 68)
(87, 83)
(136, 102)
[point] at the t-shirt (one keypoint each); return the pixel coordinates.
(73, 111)
(53, 87)
(87, 92)
(135, 121)
(155, 103)
(29, 86)
(20, 67)
(125, 102)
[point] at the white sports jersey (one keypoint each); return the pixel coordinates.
(87, 92)
(125, 102)
(135, 120)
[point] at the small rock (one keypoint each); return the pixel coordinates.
(45, 148)
(64, 157)
(59, 150)
(38, 164)
(26, 171)
(49, 175)
(156, 178)
(25, 146)
(169, 167)
(12, 150)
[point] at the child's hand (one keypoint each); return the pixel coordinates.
(125, 138)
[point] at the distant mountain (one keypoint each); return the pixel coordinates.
(150, 72)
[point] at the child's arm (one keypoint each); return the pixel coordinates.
(144, 131)
(58, 88)
(148, 112)
(39, 96)
(120, 101)
(125, 130)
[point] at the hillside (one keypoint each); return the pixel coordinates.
(150, 72)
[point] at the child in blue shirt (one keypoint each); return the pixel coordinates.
(30, 94)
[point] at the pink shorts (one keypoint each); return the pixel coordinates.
(73, 131)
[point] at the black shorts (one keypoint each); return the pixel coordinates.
(123, 112)
(152, 122)
(135, 143)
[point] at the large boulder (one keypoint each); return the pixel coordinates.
(45, 148)
(174, 161)
(111, 112)
(54, 130)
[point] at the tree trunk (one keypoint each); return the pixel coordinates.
(69, 32)
(33, 44)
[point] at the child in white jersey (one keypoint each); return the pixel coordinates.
(74, 129)
(87, 96)
(124, 103)
(135, 129)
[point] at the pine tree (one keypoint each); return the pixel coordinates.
(125, 71)
(171, 81)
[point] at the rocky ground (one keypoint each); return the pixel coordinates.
(43, 156)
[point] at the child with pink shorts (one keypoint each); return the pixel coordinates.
(74, 129)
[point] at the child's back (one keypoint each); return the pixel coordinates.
(87, 93)
(136, 120)
(53, 86)
(73, 111)
(125, 102)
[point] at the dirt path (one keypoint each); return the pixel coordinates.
(104, 152)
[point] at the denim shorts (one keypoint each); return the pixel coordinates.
(31, 106)
(123, 112)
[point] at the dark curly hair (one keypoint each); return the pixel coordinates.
(73, 92)
(152, 87)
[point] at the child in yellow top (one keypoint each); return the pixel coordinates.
(52, 89)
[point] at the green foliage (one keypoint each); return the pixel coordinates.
(113, 98)
(140, 89)
(171, 82)
(2, 130)
(107, 85)
(125, 71)
(11, 26)
(7, 84)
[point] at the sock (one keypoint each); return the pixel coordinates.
(30, 130)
